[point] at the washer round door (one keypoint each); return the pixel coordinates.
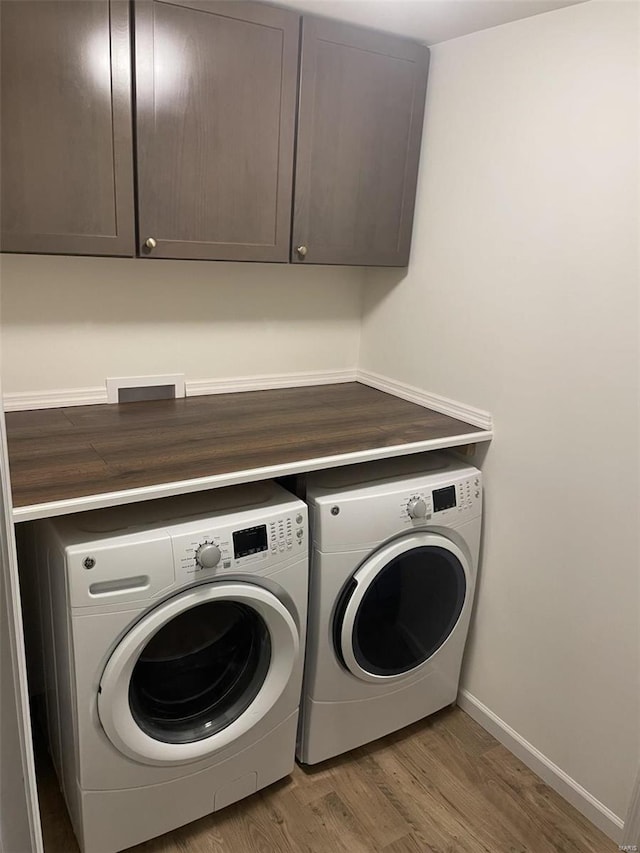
(197, 673)
(400, 607)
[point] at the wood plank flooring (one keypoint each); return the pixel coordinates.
(61, 454)
(443, 785)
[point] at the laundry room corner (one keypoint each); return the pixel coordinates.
(522, 299)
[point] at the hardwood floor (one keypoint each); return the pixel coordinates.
(443, 785)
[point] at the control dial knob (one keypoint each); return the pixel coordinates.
(417, 508)
(208, 555)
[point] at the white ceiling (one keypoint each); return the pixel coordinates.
(429, 21)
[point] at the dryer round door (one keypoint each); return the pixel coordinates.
(197, 673)
(401, 606)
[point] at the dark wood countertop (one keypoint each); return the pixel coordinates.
(82, 457)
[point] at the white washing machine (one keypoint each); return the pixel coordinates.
(392, 578)
(173, 638)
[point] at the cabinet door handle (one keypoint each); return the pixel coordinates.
(302, 251)
(150, 243)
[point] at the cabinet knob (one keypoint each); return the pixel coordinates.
(302, 251)
(150, 243)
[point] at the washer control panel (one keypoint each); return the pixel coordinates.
(256, 546)
(286, 534)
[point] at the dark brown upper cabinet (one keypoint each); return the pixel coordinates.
(216, 90)
(362, 96)
(216, 104)
(67, 158)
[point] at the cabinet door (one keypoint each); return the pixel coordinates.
(67, 158)
(215, 89)
(362, 97)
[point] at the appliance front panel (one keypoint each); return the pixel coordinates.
(135, 568)
(354, 520)
(146, 565)
(261, 544)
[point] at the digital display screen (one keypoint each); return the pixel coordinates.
(444, 498)
(250, 541)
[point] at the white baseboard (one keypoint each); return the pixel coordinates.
(461, 411)
(554, 776)
(270, 381)
(22, 400)
(19, 401)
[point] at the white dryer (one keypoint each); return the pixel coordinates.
(173, 635)
(392, 578)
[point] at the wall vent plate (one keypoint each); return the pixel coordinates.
(133, 389)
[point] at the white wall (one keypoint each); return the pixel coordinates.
(69, 322)
(522, 298)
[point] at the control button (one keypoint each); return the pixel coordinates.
(417, 508)
(298, 519)
(300, 533)
(208, 555)
(478, 494)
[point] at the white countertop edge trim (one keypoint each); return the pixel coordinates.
(21, 401)
(443, 405)
(18, 401)
(249, 475)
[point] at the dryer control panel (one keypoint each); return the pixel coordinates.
(448, 501)
(364, 509)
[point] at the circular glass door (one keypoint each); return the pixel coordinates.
(200, 672)
(401, 606)
(197, 672)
